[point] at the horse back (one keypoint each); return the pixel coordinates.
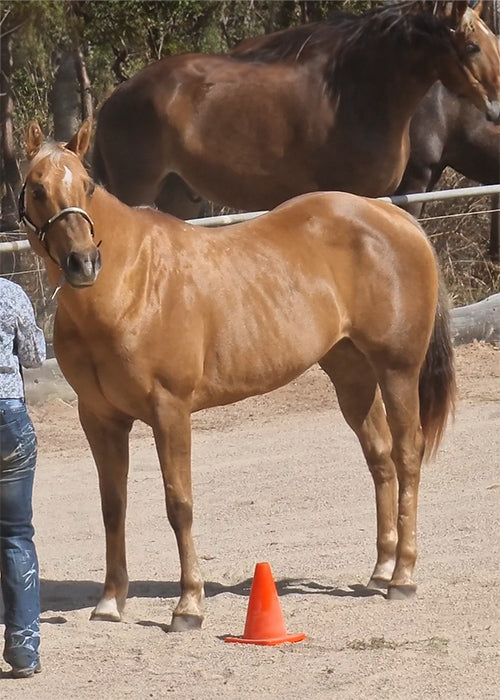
(206, 117)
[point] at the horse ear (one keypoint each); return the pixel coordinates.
(81, 140)
(477, 7)
(464, 18)
(34, 139)
(445, 9)
(458, 9)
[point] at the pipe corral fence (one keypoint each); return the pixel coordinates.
(477, 321)
(228, 219)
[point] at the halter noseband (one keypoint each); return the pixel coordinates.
(42, 230)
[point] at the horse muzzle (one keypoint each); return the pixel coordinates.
(493, 111)
(82, 269)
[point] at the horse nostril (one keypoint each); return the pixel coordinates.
(83, 265)
(493, 111)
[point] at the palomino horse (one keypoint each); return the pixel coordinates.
(446, 131)
(179, 318)
(323, 106)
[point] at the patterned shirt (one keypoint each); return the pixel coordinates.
(21, 341)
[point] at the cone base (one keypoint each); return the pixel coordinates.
(267, 642)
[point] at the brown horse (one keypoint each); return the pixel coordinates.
(180, 318)
(446, 131)
(324, 106)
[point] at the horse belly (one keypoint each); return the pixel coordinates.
(267, 350)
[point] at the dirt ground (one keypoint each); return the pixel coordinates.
(279, 479)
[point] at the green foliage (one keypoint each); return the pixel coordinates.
(36, 29)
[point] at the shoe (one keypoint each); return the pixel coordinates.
(27, 672)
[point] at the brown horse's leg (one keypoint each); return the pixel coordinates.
(177, 198)
(109, 442)
(361, 405)
(172, 433)
(400, 394)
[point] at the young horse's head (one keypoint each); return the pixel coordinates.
(477, 73)
(54, 202)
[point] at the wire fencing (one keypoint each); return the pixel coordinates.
(457, 220)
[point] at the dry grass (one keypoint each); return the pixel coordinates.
(461, 239)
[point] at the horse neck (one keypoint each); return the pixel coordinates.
(473, 147)
(390, 95)
(112, 219)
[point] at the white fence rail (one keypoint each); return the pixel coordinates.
(227, 219)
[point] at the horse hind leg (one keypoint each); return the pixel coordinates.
(400, 394)
(361, 405)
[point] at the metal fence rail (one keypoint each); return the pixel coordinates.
(227, 219)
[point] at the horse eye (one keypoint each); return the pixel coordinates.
(472, 47)
(38, 193)
(90, 188)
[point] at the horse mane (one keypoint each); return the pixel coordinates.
(344, 36)
(53, 150)
(50, 149)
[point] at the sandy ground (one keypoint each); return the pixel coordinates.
(279, 479)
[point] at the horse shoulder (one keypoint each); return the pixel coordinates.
(74, 351)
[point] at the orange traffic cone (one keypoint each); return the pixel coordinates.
(264, 624)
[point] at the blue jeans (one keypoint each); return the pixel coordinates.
(18, 559)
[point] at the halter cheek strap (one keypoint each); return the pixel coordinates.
(42, 230)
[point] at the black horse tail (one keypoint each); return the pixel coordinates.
(437, 385)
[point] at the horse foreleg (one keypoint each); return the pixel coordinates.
(172, 433)
(109, 442)
(400, 394)
(177, 198)
(362, 408)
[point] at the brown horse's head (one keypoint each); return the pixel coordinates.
(54, 205)
(476, 75)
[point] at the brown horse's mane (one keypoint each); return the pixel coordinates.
(347, 37)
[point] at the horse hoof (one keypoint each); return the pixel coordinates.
(377, 584)
(105, 617)
(403, 592)
(106, 610)
(185, 623)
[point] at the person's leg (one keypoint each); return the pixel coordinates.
(18, 559)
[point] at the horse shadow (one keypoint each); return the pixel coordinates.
(66, 596)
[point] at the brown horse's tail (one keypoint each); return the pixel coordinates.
(437, 386)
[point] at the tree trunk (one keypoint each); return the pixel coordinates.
(479, 321)
(10, 174)
(65, 100)
(71, 98)
(85, 86)
(490, 12)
